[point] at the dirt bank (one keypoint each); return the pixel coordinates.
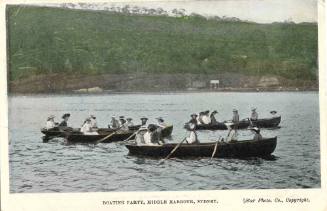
(60, 83)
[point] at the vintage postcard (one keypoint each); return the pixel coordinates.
(172, 105)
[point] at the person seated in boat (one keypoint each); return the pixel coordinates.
(150, 136)
(161, 123)
(232, 133)
(94, 124)
(254, 114)
(206, 117)
(64, 122)
(213, 119)
(200, 118)
(87, 129)
(257, 136)
(193, 119)
(143, 122)
(114, 123)
(129, 122)
(123, 123)
(236, 118)
(50, 123)
(193, 136)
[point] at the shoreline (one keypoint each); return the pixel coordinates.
(125, 92)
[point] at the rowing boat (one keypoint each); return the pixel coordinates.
(62, 131)
(120, 135)
(239, 149)
(243, 124)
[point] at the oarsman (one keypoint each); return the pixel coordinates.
(236, 118)
(94, 124)
(114, 123)
(50, 122)
(149, 135)
(254, 114)
(64, 122)
(87, 129)
(206, 117)
(144, 121)
(257, 136)
(200, 118)
(193, 136)
(193, 119)
(161, 123)
(232, 133)
(123, 124)
(129, 122)
(213, 118)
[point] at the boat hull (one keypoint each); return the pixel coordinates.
(240, 149)
(243, 124)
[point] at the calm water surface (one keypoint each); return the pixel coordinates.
(56, 167)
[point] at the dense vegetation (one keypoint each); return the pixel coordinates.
(55, 40)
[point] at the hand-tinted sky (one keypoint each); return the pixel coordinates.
(262, 11)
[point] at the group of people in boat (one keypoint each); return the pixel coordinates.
(205, 117)
(150, 134)
(90, 127)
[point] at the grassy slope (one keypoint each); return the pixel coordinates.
(53, 40)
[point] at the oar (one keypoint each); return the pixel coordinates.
(108, 136)
(131, 136)
(176, 147)
(215, 149)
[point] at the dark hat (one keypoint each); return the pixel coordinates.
(128, 118)
(207, 112)
(234, 110)
(121, 117)
(65, 115)
(214, 112)
(273, 112)
(192, 115)
(88, 119)
(92, 116)
(144, 118)
(152, 127)
(160, 119)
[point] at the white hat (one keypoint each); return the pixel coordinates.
(51, 117)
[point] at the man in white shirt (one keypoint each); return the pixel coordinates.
(232, 133)
(114, 123)
(254, 114)
(50, 122)
(94, 124)
(206, 118)
(149, 135)
(129, 122)
(193, 137)
(87, 129)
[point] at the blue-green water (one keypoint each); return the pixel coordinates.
(56, 167)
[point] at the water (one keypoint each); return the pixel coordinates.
(56, 167)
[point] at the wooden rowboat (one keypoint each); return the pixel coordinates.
(118, 136)
(62, 131)
(239, 149)
(243, 124)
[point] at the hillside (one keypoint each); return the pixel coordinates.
(56, 41)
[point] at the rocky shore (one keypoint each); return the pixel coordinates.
(111, 83)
